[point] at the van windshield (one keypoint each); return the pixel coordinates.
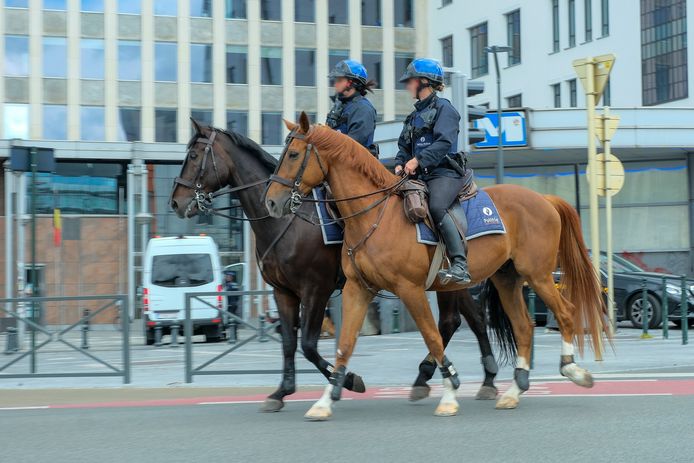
(182, 270)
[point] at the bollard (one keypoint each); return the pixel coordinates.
(531, 310)
(232, 332)
(85, 329)
(157, 335)
(665, 310)
(645, 319)
(12, 344)
(396, 318)
(684, 309)
(174, 335)
(261, 329)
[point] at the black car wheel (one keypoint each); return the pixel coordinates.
(149, 337)
(652, 306)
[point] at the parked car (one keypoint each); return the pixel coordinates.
(628, 278)
(174, 266)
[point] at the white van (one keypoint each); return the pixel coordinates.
(175, 266)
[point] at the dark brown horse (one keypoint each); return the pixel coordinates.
(380, 252)
(301, 269)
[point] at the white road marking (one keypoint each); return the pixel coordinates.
(35, 407)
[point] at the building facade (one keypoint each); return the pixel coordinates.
(651, 86)
(110, 84)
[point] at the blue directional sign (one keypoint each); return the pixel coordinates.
(514, 129)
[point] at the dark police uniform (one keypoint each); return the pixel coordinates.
(355, 117)
(430, 134)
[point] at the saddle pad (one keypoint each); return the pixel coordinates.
(482, 219)
(332, 232)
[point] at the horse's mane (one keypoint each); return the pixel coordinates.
(352, 153)
(250, 146)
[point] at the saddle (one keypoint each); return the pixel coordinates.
(415, 198)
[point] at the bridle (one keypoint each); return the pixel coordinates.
(202, 199)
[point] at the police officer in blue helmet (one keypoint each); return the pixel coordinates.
(428, 147)
(352, 113)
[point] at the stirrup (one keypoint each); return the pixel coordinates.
(445, 275)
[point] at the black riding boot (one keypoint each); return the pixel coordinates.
(457, 251)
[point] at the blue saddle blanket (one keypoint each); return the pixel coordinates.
(480, 211)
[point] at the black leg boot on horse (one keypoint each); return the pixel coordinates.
(456, 246)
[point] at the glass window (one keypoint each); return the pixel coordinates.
(92, 123)
(236, 9)
(446, 53)
(372, 62)
(588, 19)
(305, 67)
(129, 67)
(54, 122)
(202, 116)
(401, 62)
(165, 61)
(515, 101)
(200, 63)
(513, 37)
(555, 25)
(182, 270)
(16, 121)
(17, 3)
(271, 65)
(165, 125)
(311, 116)
(271, 10)
(129, 124)
(93, 6)
(663, 51)
(92, 58)
(165, 8)
(201, 8)
(237, 121)
(335, 56)
(478, 42)
(129, 6)
(237, 64)
(338, 12)
(403, 14)
(573, 98)
(605, 15)
(556, 94)
(272, 128)
(305, 11)
(16, 55)
(371, 12)
(55, 57)
(572, 23)
(55, 5)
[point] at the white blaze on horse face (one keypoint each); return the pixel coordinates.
(567, 348)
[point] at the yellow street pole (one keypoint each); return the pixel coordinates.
(608, 217)
(592, 170)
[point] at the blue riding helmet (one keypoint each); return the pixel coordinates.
(350, 69)
(423, 67)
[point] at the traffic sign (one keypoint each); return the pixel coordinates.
(609, 168)
(602, 65)
(514, 129)
(605, 127)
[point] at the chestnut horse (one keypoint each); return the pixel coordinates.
(301, 269)
(380, 251)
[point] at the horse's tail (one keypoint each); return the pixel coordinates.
(579, 282)
(499, 323)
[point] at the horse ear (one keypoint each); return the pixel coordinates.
(289, 124)
(196, 126)
(304, 122)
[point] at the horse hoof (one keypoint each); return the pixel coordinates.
(419, 393)
(506, 403)
(486, 393)
(577, 375)
(271, 405)
(358, 384)
(318, 414)
(447, 409)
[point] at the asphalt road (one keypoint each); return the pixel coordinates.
(548, 429)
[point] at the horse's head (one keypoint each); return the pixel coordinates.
(203, 172)
(299, 171)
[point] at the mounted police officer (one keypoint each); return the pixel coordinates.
(428, 145)
(352, 113)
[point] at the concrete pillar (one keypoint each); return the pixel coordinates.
(35, 69)
(147, 76)
(183, 83)
(288, 64)
(421, 17)
(73, 69)
(322, 60)
(355, 29)
(219, 116)
(388, 60)
(110, 70)
(254, 94)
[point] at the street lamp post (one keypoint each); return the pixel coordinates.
(495, 50)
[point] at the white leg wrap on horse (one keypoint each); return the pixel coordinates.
(576, 374)
(567, 348)
(523, 363)
(448, 405)
(322, 409)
